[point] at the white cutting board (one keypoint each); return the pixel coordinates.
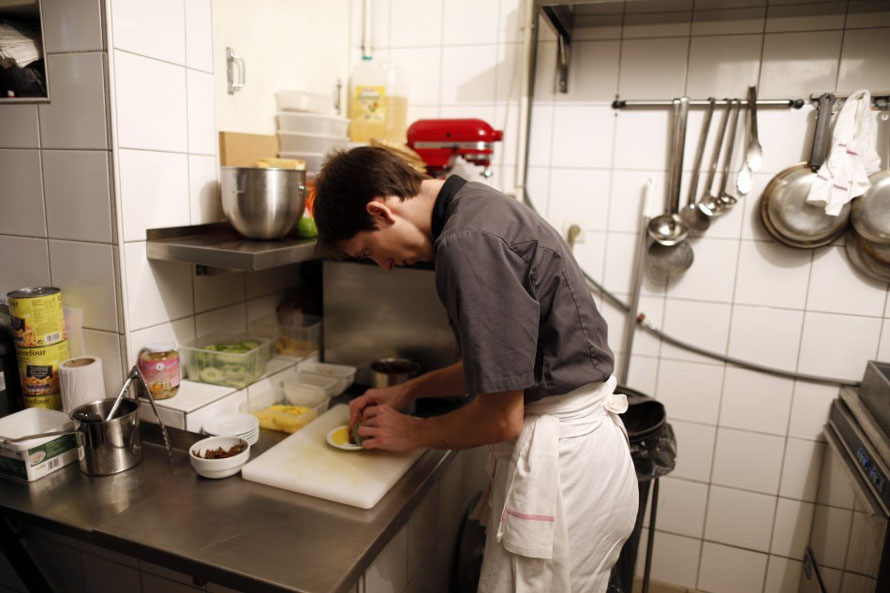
(304, 462)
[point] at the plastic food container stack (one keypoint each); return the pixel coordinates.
(312, 123)
(344, 374)
(303, 101)
(234, 360)
(303, 143)
(298, 392)
(275, 412)
(308, 129)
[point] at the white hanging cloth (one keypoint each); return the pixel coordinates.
(844, 175)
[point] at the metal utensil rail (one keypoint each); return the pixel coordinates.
(880, 100)
(787, 103)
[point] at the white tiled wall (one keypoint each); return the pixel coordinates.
(132, 93)
(739, 505)
(166, 170)
(56, 197)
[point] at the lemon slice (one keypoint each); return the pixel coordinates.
(339, 438)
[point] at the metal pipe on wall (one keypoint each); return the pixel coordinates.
(366, 29)
(529, 49)
(527, 80)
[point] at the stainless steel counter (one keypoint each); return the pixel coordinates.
(232, 532)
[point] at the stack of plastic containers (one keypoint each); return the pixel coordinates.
(307, 128)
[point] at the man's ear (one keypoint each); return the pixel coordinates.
(378, 210)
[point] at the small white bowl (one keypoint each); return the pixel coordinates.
(218, 468)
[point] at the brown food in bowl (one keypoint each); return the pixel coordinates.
(220, 453)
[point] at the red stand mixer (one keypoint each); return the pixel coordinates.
(440, 141)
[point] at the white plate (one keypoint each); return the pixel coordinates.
(347, 446)
(231, 425)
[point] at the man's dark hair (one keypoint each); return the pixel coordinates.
(348, 181)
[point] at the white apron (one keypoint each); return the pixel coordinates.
(563, 496)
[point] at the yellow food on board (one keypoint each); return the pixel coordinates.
(285, 418)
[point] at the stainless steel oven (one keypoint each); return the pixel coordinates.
(849, 544)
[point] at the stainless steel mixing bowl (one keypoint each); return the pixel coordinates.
(263, 203)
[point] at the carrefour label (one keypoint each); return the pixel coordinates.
(370, 104)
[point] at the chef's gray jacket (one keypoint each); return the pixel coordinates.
(515, 296)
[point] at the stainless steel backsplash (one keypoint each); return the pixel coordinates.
(371, 314)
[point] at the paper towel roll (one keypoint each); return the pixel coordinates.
(82, 381)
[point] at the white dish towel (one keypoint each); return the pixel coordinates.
(853, 157)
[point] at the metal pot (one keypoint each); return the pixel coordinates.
(784, 210)
(863, 257)
(871, 211)
(263, 203)
(386, 372)
(111, 446)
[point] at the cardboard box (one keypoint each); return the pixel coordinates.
(32, 459)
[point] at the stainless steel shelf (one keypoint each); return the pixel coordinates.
(218, 245)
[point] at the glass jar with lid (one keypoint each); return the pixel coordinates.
(159, 363)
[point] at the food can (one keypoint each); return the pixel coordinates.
(52, 401)
(37, 316)
(39, 370)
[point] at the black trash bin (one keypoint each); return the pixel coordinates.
(653, 448)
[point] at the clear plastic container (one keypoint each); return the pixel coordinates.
(328, 385)
(275, 412)
(316, 143)
(344, 374)
(312, 123)
(305, 394)
(234, 360)
(305, 101)
(296, 339)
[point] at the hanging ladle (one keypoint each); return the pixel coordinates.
(709, 205)
(669, 229)
(664, 261)
(690, 214)
(727, 200)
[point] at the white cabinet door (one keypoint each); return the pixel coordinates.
(286, 44)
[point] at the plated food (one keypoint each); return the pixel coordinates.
(219, 457)
(342, 438)
(222, 453)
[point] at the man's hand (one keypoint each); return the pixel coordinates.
(396, 397)
(384, 428)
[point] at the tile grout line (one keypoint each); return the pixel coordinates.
(441, 46)
(188, 172)
(49, 262)
(840, 56)
(116, 193)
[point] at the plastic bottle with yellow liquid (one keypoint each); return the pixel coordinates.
(377, 103)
